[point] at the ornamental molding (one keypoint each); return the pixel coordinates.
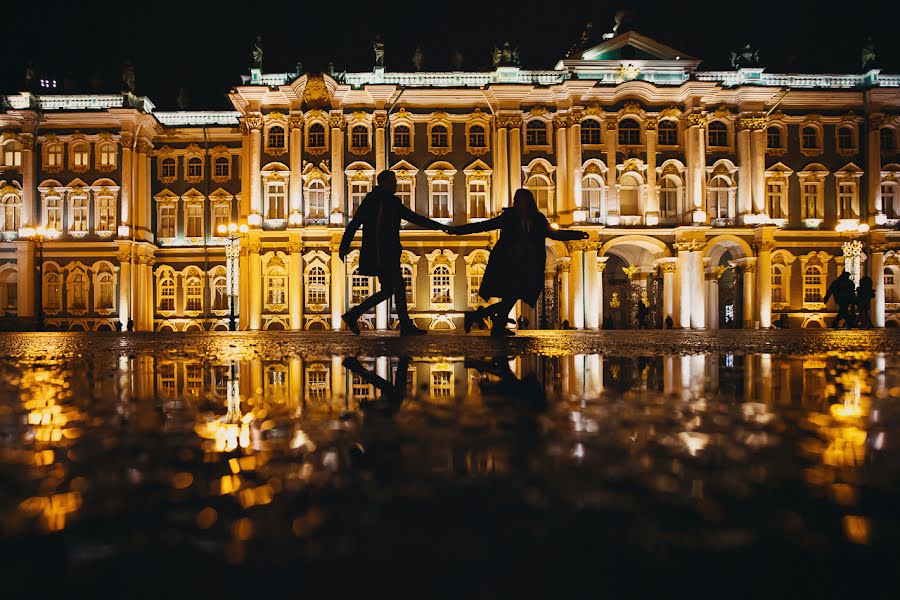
(689, 246)
(651, 123)
(254, 121)
(337, 121)
(696, 120)
(752, 123)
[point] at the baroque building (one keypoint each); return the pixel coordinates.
(721, 198)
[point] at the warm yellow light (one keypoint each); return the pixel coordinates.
(244, 229)
(221, 229)
(863, 227)
(52, 232)
(27, 232)
(232, 227)
(41, 230)
(554, 226)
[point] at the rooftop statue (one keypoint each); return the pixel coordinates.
(418, 59)
(507, 56)
(744, 58)
(868, 55)
(378, 48)
(257, 53)
(457, 60)
(128, 76)
(584, 40)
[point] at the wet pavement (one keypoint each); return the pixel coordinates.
(615, 464)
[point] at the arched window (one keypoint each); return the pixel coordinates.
(717, 198)
(629, 195)
(316, 136)
(81, 156)
(440, 199)
(402, 137)
(222, 166)
(55, 156)
(10, 214)
(108, 154)
(717, 134)
(195, 167)
(592, 195)
(360, 287)
(845, 138)
(167, 292)
(540, 186)
(12, 154)
(440, 138)
(105, 291)
(441, 285)
(536, 133)
(275, 137)
(476, 275)
(773, 137)
(667, 133)
(889, 200)
(167, 168)
(316, 199)
(359, 136)
(669, 187)
(890, 287)
(477, 137)
(778, 294)
(629, 132)
(276, 199)
(52, 292)
(79, 286)
(888, 139)
(220, 294)
(316, 286)
(408, 282)
(809, 138)
(9, 290)
(276, 286)
(813, 282)
(590, 133)
(193, 293)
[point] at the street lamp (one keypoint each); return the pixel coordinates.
(852, 249)
(232, 232)
(38, 234)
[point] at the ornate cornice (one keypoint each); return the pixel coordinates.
(752, 123)
(689, 246)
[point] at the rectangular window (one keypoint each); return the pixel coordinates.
(105, 283)
(54, 213)
(809, 197)
(441, 286)
(193, 215)
(167, 221)
(167, 379)
(846, 193)
(474, 285)
(890, 292)
(441, 384)
(317, 287)
(889, 199)
(358, 191)
(55, 156)
(167, 170)
(359, 289)
(404, 192)
(440, 199)
(106, 219)
(774, 192)
(221, 216)
(777, 285)
(79, 213)
(478, 200)
(108, 155)
(12, 295)
(81, 157)
(276, 198)
(193, 380)
(195, 168)
(167, 294)
(223, 166)
(316, 384)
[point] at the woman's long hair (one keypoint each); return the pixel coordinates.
(526, 209)
(865, 284)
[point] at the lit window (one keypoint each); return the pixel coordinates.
(845, 138)
(193, 294)
(167, 292)
(167, 168)
(402, 138)
(846, 197)
(407, 272)
(275, 138)
(592, 195)
(193, 380)
(774, 194)
(193, 215)
(441, 285)
(12, 154)
(812, 284)
(105, 289)
(11, 212)
(717, 198)
(79, 287)
(276, 286)
(777, 283)
(316, 136)
(886, 136)
(717, 133)
(478, 199)
(79, 213)
(359, 137)
(167, 221)
(223, 166)
(441, 384)
(220, 294)
(629, 195)
(54, 213)
(81, 156)
(890, 290)
(542, 190)
(358, 191)
(53, 292)
(221, 216)
(773, 137)
(108, 155)
(106, 213)
(536, 133)
(167, 379)
(316, 286)
(360, 287)
(317, 383)
(590, 132)
(316, 199)
(55, 156)
(276, 200)
(405, 192)
(477, 137)
(809, 199)
(810, 138)
(889, 200)
(629, 132)
(669, 188)
(667, 133)
(9, 290)
(440, 138)
(476, 275)
(195, 167)
(440, 199)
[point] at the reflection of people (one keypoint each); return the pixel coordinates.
(390, 393)
(515, 270)
(528, 390)
(643, 311)
(842, 290)
(864, 295)
(379, 215)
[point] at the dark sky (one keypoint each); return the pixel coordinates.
(204, 47)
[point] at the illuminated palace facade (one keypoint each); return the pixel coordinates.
(724, 198)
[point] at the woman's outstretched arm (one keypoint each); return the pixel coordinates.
(480, 226)
(566, 235)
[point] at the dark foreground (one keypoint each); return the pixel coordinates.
(610, 465)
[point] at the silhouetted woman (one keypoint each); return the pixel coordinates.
(515, 270)
(864, 295)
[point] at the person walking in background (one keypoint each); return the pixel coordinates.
(643, 311)
(515, 270)
(843, 292)
(379, 214)
(864, 295)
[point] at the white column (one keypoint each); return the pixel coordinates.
(501, 174)
(337, 163)
(254, 284)
(337, 286)
(758, 166)
(28, 184)
(612, 194)
(573, 160)
(670, 309)
(295, 185)
(381, 311)
(764, 284)
(698, 293)
(515, 156)
(126, 190)
(25, 296)
(254, 122)
(563, 204)
(873, 174)
(565, 265)
(697, 165)
(876, 271)
(576, 286)
(244, 285)
(295, 294)
(685, 287)
(744, 189)
(592, 301)
(601, 266)
(651, 210)
(124, 257)
(379, 123)
(749, 292)
(712, 299)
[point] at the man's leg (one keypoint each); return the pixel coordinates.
(499, 312)
(351, 316)
(392, 282)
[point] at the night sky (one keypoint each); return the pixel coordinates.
(204, 47)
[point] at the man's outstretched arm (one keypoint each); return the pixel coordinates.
(422, 221)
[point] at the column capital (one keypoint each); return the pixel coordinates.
(560, 121)
(563, 264)
(632, 272)
(576, 114)
(143, 146)
(650, 123)
(764, 246)
(611, 123)
(715, 273)
(295, 121)
(577, 246)
(295, 246)
(667, 267)
(752, 122)
(696, 120)
(254, 121)
(379, 121)
(689, 246)
(337, 120)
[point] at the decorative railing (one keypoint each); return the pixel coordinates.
(188, 118)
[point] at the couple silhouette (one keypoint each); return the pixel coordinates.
(515, 270)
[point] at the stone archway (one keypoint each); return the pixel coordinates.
(728, 259)
(629, 277)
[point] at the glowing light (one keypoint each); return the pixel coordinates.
(232, 227)
(222, 229)
(244, 228)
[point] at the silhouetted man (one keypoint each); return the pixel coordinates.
(844, 294)
(379, 215)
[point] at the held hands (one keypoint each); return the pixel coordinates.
(448, 229)
(584, 235)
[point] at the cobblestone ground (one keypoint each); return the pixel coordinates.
(620, 464)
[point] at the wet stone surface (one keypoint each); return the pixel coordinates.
(618, 464)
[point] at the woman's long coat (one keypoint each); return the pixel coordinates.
(516, 266)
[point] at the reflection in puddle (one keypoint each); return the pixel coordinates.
(244, 459)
